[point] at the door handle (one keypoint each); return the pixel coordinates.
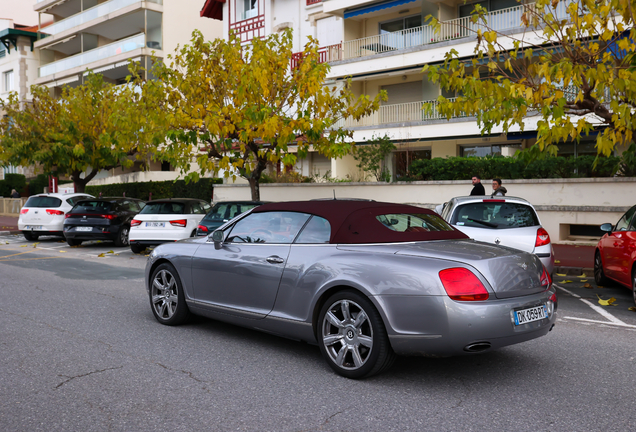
(275, 260)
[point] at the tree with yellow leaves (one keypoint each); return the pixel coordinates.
(92, 127)
(236, 107)
(572, 66)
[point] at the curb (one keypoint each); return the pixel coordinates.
(10, 232)
(575, 271)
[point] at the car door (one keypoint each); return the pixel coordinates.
(618, 248)
(244, 274)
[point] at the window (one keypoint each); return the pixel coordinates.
(164, 208)
(267, 227)
(623, 223)
(392, 37)
(73, 200)
(7, 79)
(318, 230)
(489, 150)
(404, 222)
(43, 201)
(404, 159)
(246, 9)
(495, 215)
(490, 5)
(401, 24)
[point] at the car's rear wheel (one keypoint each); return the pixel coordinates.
(73, 242)
(166, 296)
(122, 236)
(30, 236)
(599, 274)
(352, 336)
(137, 248)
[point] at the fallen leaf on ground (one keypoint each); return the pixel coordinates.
(110, 251)
(101, 255)
(63, 251)
(584, 280)
(633, 308)
(587, 286)
(35, 244)
(24, 246)
(561, 275)
(609, 302)
(582, 276)
(565, 281)
(557, 261)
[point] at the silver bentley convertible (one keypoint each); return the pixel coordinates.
(363, 280)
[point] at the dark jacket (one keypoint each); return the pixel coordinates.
(478, 189)
(15, 194)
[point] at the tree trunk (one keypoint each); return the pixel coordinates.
(80, 183)
(255, 178)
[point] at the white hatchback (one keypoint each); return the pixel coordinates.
(504, 221)
(166, 220)
(43, 214)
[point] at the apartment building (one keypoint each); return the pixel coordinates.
(104, 35)
(383, 45)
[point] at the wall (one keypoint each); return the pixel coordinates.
(559, 202)
(180, 18)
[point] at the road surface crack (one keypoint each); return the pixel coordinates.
(83, 375)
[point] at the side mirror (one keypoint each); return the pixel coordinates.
(607, 227)
(217, 238)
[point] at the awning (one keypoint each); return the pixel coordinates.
(213, 9)
(374, 7)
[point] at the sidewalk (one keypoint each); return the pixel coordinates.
(9, 225)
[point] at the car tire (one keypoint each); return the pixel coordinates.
(352, 337)
(30, 236)
(167, 300)
(122, 236)
(137, 248)
(73, 242)
(599, 274)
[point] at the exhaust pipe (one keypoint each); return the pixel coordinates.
(477, 347)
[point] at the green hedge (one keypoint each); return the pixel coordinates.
(12, 181)
(201, 189)
(464, 168)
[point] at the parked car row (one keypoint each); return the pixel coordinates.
(125, 221)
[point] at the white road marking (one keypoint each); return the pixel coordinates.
(601, 311)
(600, 322)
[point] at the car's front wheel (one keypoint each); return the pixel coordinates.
(122, 236)
(352, 336)
(30, 236)
(167, 299)
(599, 274)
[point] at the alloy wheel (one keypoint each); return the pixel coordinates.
(164, 294)
(347, 334)
(123, 236)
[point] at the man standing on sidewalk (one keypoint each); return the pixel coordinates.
(478, 188)
(16, 204)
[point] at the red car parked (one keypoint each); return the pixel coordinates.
(615, 255)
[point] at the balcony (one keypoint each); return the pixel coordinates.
(94, 55)
(460, 28)
(91, 14)
(325, 54)
(396, 114)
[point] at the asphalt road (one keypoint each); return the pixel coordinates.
(81, 351)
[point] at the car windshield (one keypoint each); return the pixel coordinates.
(226, 211)
(43, 201)
(83, 206)
(495, 215)
(163, 208)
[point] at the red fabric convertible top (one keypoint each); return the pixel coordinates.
(354, 222)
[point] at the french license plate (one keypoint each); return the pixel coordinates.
(526, 316)
(33, 227)
(84, 229)
(155, 224)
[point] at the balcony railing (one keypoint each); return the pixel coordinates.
(396, 113)
(313, 2)
(88, 15)
(498, 20)
(99, 53)
(325, 54)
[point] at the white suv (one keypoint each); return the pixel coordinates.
(504, 221)
(43, 214)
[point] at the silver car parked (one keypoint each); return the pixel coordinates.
(363, 280)
(504, 221)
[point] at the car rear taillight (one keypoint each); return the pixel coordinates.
(54, 212)
(543, 238)
(24, 211)
(462, 284)
(179, 223)
(546, 280)
(202, 228)
(68, 215)
(109, 217)
(135, 222)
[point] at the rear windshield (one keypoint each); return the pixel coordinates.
(495, 215)
(43, 201)
(226, 211)
(92, 206)
(163, 208)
